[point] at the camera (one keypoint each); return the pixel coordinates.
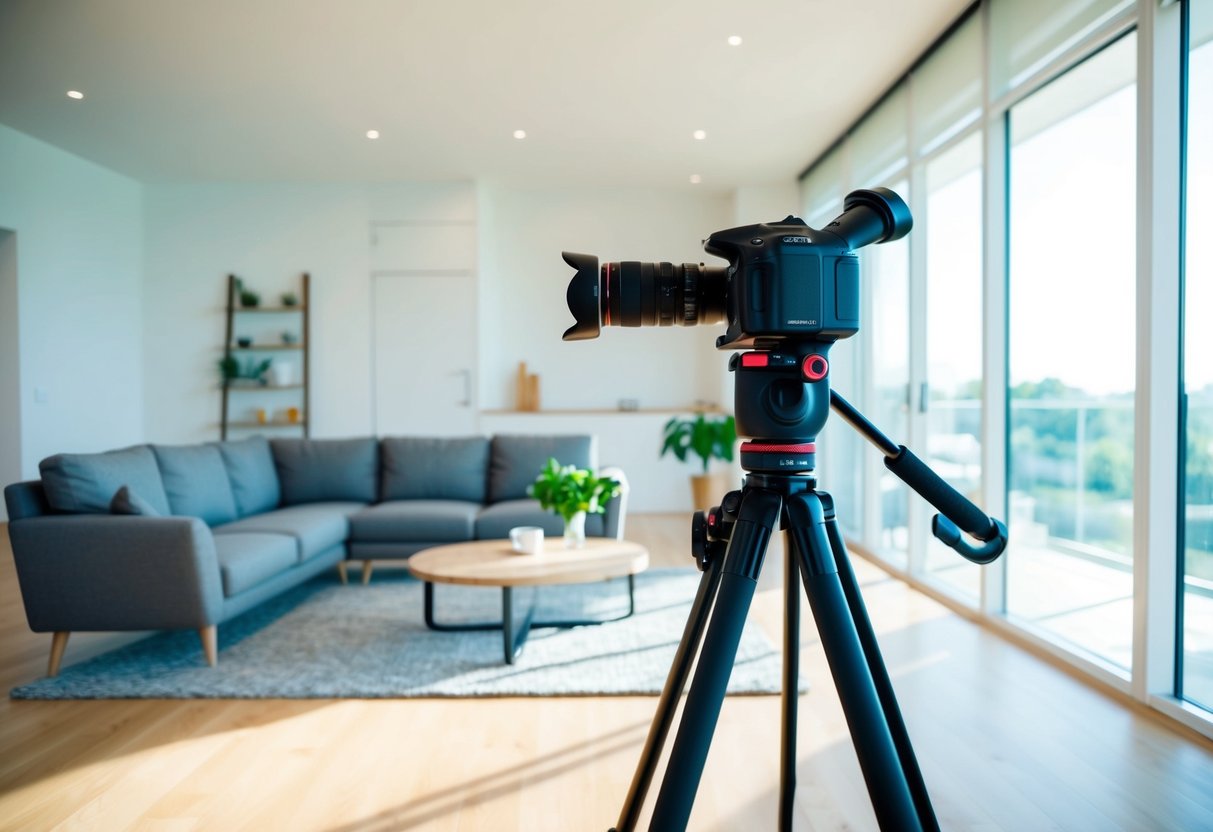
(784, 283)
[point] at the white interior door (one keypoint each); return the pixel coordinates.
(425, 350)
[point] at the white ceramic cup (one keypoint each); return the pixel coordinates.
(526, 540)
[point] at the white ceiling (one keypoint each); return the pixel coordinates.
(608, 91)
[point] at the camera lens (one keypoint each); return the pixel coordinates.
(662, 294)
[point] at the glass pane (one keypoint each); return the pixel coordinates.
(842, 453)
(1072, 355)
(889, 337)
(947, 87)
(1027, 34)
(1198, 367)
(954, 291)
(822, 189)
(879, 144)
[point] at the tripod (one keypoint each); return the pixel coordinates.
(729, 544)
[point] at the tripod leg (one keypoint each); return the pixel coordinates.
(758, 514)
(874, 746)
(675, 683)
(880, 674)
(791, 683)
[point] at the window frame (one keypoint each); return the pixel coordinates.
(1158, 475)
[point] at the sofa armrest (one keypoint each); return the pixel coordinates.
(106, 572)
(616, 508)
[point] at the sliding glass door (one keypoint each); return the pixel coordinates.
(1071, 355)
(953, 341)
(1196, 676)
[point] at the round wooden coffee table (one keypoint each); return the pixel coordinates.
(494, 563)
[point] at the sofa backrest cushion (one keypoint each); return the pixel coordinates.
(315, 470)
(515, 460)
(431, 468)
(126, 501)
(85, 483)
(196, 482)
(252, 475)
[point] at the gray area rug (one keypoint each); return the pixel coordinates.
(325, 640)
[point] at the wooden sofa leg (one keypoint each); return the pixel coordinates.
(366, 572)
(342, 573)
(210, 643)
(58, 645)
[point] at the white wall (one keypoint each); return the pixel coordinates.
(78, 234)
(10, 364)
(268, 234)
(766, 203)
(522, 295)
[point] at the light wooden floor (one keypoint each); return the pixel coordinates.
(1006, 741)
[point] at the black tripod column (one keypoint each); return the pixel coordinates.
(880, 674)
(874, 745)
(756, 518)
(680, 671)
(791, 683)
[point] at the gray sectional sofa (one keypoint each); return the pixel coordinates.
(156, 537)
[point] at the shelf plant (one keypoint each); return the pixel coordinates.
(232, 370)
(706, 437)
(572, 493)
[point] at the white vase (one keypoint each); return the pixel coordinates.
(574, 531)
(280, 375)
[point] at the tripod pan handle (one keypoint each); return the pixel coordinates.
(949, 534)
(953, 506)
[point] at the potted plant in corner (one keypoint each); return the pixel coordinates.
(708, 437)
(572, 493)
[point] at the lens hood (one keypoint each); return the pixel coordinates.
(582, 297)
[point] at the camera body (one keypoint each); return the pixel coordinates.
(786, 282)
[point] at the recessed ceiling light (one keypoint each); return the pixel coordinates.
(372, 134)
(700, 135)
(520, 134)
(734, 40)
(76, 94)
(696, 179)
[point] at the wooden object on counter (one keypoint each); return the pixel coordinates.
(527, 391)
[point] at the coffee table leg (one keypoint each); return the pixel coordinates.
(514, 639)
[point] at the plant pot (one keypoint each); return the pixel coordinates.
(574, 531)
(703, 491)
(280, 375)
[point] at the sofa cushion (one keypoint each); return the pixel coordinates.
(196, 482)
(85, 483)
(317, 470)
(247, 559)
(433, 521)
(495, 521)
(250, 470)
(430, 468)
(128, 502)
(316, 527)
(516, 460)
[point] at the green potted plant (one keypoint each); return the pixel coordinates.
(249, 299)
(572, 493)
(707, 437)
(232, 371)
(229, 368)
(290, 299)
